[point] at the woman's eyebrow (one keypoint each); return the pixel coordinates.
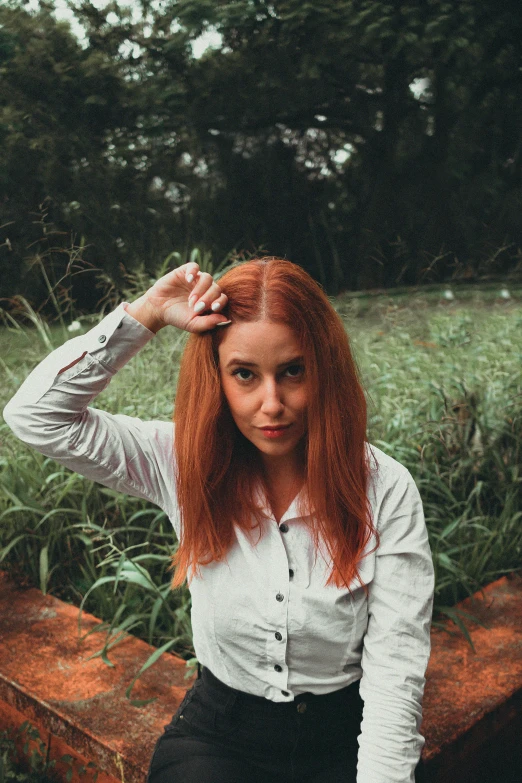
(243, 363)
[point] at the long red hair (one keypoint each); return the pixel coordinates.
(217, 468)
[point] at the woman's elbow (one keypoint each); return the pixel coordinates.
(32, 426)
(13, 415)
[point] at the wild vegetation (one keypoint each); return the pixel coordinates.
(443, 373)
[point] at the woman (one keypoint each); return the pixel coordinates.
(305, 549)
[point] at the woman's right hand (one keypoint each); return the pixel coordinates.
(185, 298)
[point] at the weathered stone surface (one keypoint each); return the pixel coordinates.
(473, 699)
(46, 675)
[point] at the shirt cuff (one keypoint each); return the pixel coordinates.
(114, 341)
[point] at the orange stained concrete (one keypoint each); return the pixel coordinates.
(46, 675)
(75, 769)
(473, 696)
(47, 678)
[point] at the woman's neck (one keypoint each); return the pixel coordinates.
(283, 479)
(284, 470)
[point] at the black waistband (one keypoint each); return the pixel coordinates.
(331, 699)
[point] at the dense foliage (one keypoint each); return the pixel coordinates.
(444, 379)
(375, 142)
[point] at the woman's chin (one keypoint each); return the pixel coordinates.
(276, 448)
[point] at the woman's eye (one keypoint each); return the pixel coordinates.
(241, 373)
(292, 371)
(295, 370)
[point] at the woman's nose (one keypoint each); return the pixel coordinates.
(272, 403)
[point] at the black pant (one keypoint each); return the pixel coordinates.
(221, 735)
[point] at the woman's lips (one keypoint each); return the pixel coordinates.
(275, 432)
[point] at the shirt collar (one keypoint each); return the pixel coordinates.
(292, 512)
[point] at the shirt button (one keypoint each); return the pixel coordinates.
(102, 338)
(291, 573)
(283, 528)
(285, 693)
(278, 636)
(280, 597)
(301, 707)
(278, 668)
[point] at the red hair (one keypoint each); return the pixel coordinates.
(217, 468)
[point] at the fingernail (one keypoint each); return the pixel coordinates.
(191, 300)
(190, 278)
(224, 323)
(199, 307)
(216, 305)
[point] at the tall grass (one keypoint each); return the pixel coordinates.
(445, 390)
(444, 384)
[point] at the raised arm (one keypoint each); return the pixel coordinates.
(50, 412)
(397, 642)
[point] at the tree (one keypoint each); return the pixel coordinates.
(300, 134)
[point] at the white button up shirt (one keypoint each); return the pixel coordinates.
(264, 621)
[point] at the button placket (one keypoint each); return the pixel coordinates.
(299, 552)
(278, 559)
(277, 610)
(279, 653)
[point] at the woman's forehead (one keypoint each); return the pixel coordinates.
(250, 339)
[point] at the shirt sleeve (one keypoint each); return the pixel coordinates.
(396, 645)
(50, 413)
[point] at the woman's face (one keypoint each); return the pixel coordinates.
(263, 379)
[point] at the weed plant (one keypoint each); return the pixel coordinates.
(444, 383)
(24, 759)
(445, 390)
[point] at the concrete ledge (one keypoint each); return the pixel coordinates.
(473, 700)
(46, 677)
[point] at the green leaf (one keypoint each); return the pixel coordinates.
(148, 663)
(456, 615)
(44, 569)
(5, 551)
(450, 528)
